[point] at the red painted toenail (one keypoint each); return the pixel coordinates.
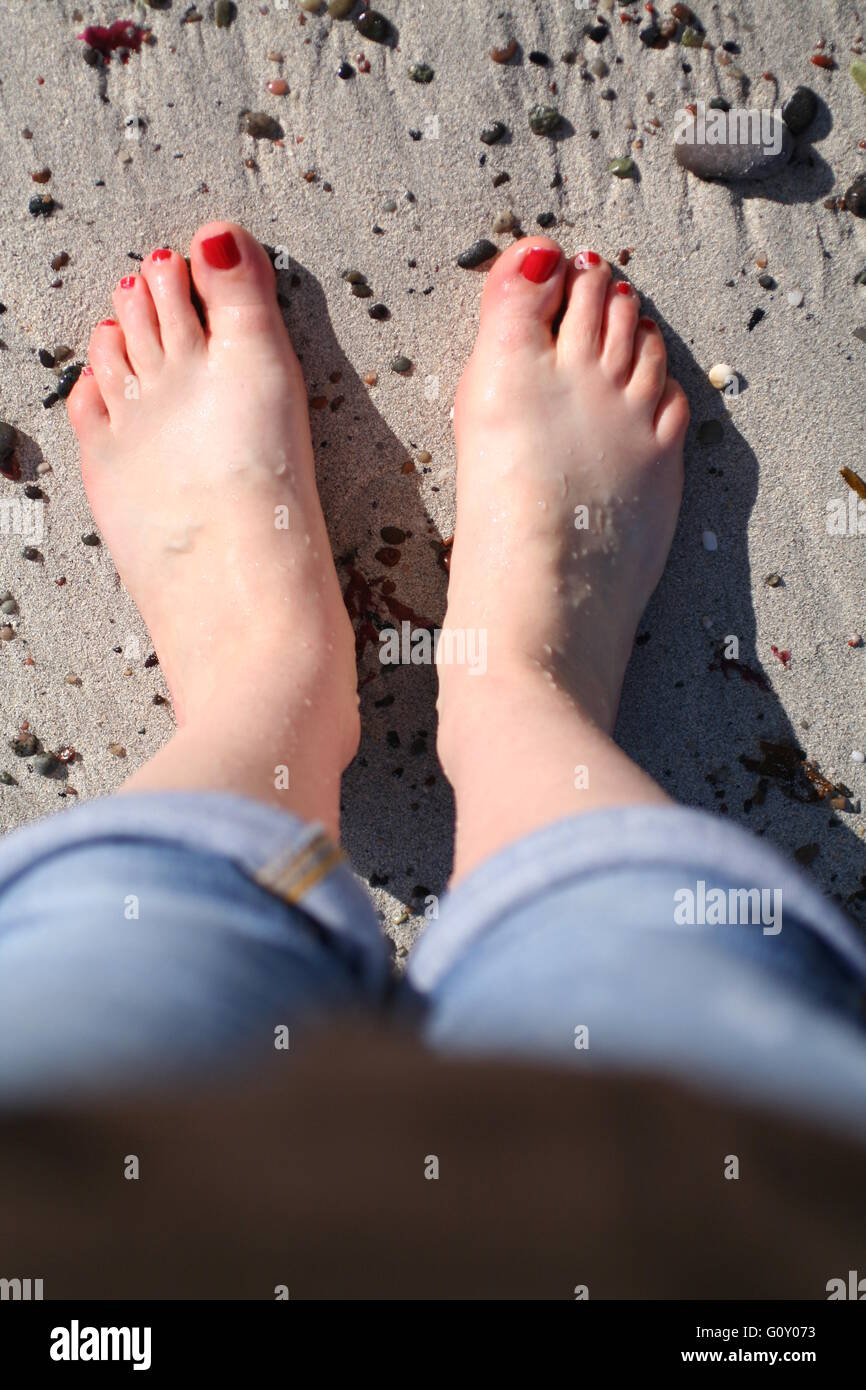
(623, 288)
(539, 264)
(162, 254)
(127, 282)
(87, 371)
(221, 251)
(586, 258)
(107, 323)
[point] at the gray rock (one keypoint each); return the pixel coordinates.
(744, 151)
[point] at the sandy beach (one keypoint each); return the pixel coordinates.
(372, 169)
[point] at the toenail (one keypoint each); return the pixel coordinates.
(539, 264)
(162, 254)
(87, 371)
(623, 288)
(586, 258)
(107, 323)
(127, 282)
(221, 251)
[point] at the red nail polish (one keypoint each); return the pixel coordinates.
(127, 282)
(162, 253)
(623, 288)
(221, 251)
(583, 259)
(107, 323)
(539, 264)
(87, 371)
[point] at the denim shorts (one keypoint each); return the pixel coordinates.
(156, 937)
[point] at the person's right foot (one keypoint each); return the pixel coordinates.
(569, 479)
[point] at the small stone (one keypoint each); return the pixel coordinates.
(608, 94)
(855, 196)
(46, 358)
(224, 13)
(795, 298)
(42, 205)
(683, 13)
(374, 26)
(766, 282)
(401, 365)
(159, 700)
(7, 633)
(339, 9)
(8, 443)
(755, 318)
(46, 764)
(68, 378)
(62, 353)
(476, 254)
(311, 6)
(345, 70)
(424, 456)
(737, 159)
(651, 35)
(421, 72)
(858, 72)
(501, 178)
(692, 37)
(278, 86)
(354, 277)
(24, 745)
(710, 540)
(599, 68)
(505, 222)
(546, 219)
(7, 779)
(543, 120)
(60, 260)
(72, 679)
(668, 28)
(91, 539)
(117, 750)
(597, 32)
(773, 581)
(505, 53)
(261, 126)
(720, 375)
(387, 555)
(371, 379)
(710, 432)
(621, 168)
(718, 104)
(492, 133)
(9, 606)
(41, 175)
(380, 312)
(854, 639)
(392, 535)
(361, 291)
(799, 110)
(275, 56)
(823, 60)
(389, 205)
(857, 756)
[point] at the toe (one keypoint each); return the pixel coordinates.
(617, 341)
(236, 283)
(586, 292)
(649, 367)
(168, 282)
(87, 410)
(111, 367)
(523, 293)
(672, 416)
(136, 315)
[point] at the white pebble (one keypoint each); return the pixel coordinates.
(858, 757)
(711, 540)
(720, 375)
(795, 298)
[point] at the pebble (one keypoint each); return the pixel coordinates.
(543, 120)
(718, 104)
(546, 219)
(501, 178)
(46, 764)
(711, 540)
(117, 750)
(621, 168)
(401, 365)
(692, 37)
(737, 160)
(31, 553)
(392, 535)
(505, 53)
(68, 378)
(608, 94)
(360, 290)
(90, 539)
(41, 205)
(720, 375)
(278, 86)
(858, 72)
(795, 298)
(855, 196)
(857, 756)
(62, 353)
(683, 13)
(597, 32)
(374, 26)
(476, 254)
(424, 456)
(773, 581)
(261, 126)
(46, 358)
(8, 442)
(7, 779)
(340, 9)
(799, 110)
(492, 132)
(505, 222)
(6, 633)
(60, 260)
(24, 745)
(421, 72)
(311, 6)
(345, 70)
(766, 282)
(224, 13)
(72, 679)
(854, 639)
(9, 606)
(823, 60)
(41, 175)
(371, 379)
(389, 205)
(379, 312)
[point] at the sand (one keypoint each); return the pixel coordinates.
(164, 153)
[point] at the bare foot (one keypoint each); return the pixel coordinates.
(198, 466)
(570, 448)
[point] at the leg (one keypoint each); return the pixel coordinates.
(569, 479)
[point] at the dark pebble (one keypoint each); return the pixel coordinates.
(90, 539)
(731, 46)
(374, 26)
(766, 282)
(597, 32)
(345, 70)
(62, 353)
(651, 36)
(608, 94)
(25, 745)
(159, 700)
(734, 159)
(261, 126)
(501, 178)
(68, 378)
(388, 556)
(799, 110)
(546, 219)
(401, 365)
(415, 135)
(46, 764)
(421, 72)
(224, 13)
(718, 104)
(60, 260)
(8, 441)
(540, 59)
(380, 312)
(361, 291)
(476, 254)
(757, 315)
(92, 58)
(392, 535)
(710, 432)
(151, 661)
(51, 399)
(31, 553)
(47, 358)
(7, 779)
(683, 13)
(861, 278)
(35, 494)
(41, 205)
(493, 132)
(855, 196)
(543, 120)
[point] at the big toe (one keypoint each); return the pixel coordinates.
(235, 281)
(523, 293)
